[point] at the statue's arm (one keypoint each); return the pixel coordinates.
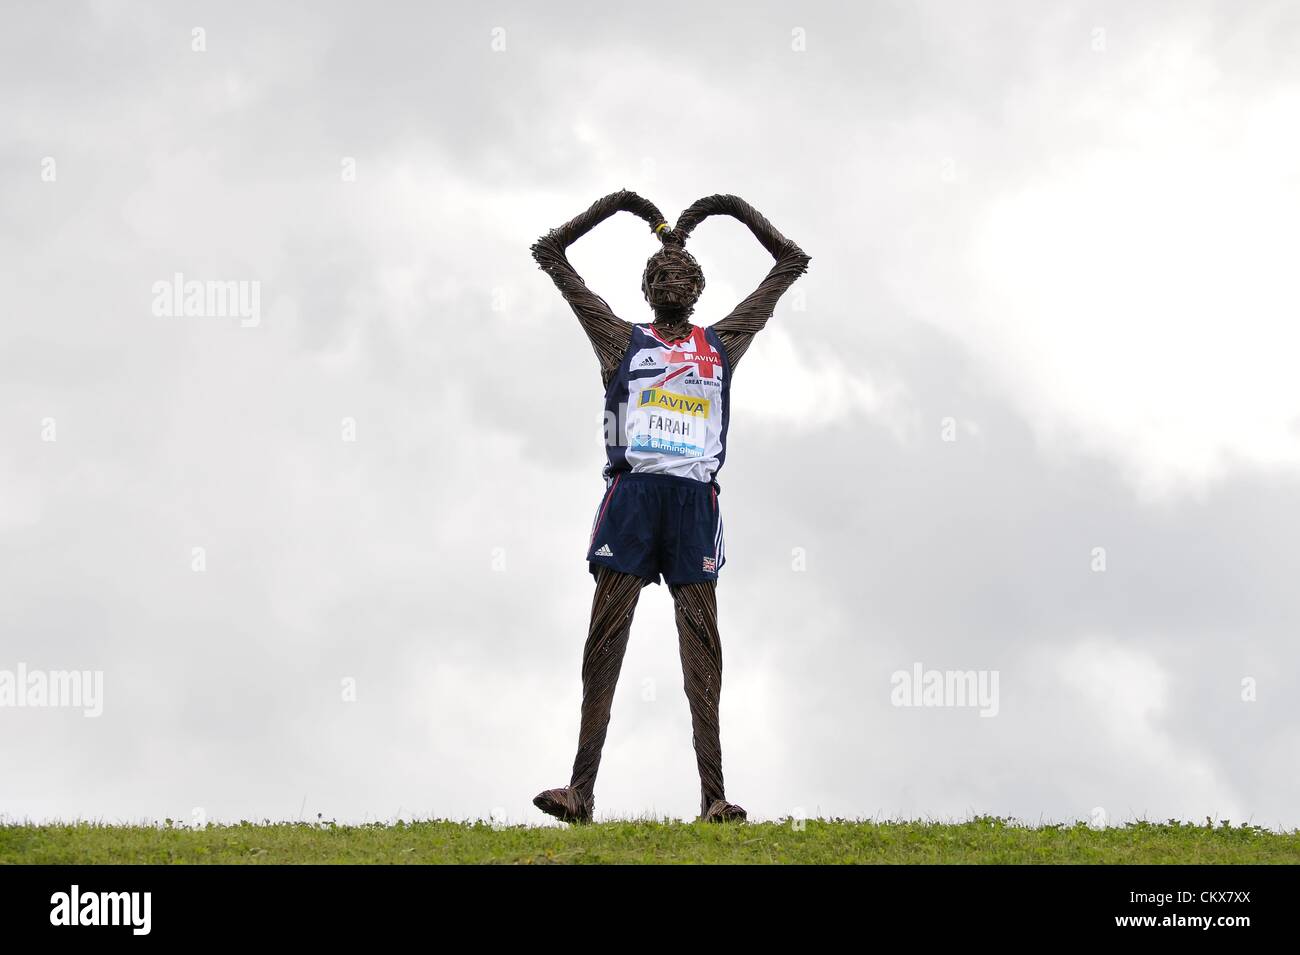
(609, 334)
(747, 319)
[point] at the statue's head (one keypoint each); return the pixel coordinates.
(673, 280)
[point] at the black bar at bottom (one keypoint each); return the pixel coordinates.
(330, 903)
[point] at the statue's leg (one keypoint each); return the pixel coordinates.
(612, 608)
(701, 650)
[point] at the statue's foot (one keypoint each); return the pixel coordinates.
(723, 811)
(564, 804)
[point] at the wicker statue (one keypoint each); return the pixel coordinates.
(666, 411)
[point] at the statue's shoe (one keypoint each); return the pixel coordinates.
(564, 804)
(723, 811)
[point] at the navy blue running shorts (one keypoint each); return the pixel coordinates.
(651, 524)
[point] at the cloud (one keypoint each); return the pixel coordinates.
(1128, 693)
(784, 381)
(1135, 297)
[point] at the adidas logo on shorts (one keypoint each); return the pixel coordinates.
(604, 551)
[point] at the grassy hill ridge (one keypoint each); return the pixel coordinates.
(980, 840)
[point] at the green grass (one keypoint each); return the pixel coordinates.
(981, 840)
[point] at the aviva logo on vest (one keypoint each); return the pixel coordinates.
(671, 401)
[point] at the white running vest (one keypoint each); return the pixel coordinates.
(666, 408)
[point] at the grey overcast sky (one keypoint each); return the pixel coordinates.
(1060, 235)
